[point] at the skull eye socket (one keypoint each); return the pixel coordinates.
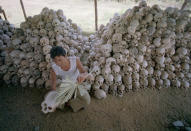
(50, 108)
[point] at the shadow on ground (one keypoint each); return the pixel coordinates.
(143, 110)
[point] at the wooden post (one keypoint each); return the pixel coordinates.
(4, 15)
(23, 9)
(2, 11)
(184, 4)
(96, 19)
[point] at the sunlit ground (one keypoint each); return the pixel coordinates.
(80, 11)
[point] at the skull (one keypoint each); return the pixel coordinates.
(17, 63)
(116, 69)
(43, 32)
(96, 87)
(144, 82)
(113, 90)
(176, 83)
(28, 32)
(136, 67)
(109, 78)
(44, 41)
(181, 51)
(48, 58)
(144, 72)
(39, 57)
(34, 41)
(117, 37)
(120, 90)
(35, 32)
(170, 68)
(118, 79)
(186, 67)
(42, 66)
(105, 87)
(40, 25)
(160, 60)
(99, 80)
(16, 42)
(150, 70)
(24, 81)
(46, 49)
(135, 76)
(167, 83)
(15, 54)
(49, 104)
(157, 74)
(110, 60)
(22, 55)
(59, 38)
(164, 75)
(39, 83)
(30, 56)
(58, 29)
(3, 69)
(32, 82)
(51, 34)
(100, 94)
(106, 49)
(127, 69)
(160, 51)
(55, 22)
(157, 42)
(136, 85)
(45, 75)
(97, 70)
(144, 64)
(127, 80)
(185, 84)
(7, 78)
(151, 82)
(140, 58)
(159, 83)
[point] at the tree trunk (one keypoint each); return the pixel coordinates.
(96, 19)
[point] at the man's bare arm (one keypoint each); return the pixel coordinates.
(80, 66)
(53, 79)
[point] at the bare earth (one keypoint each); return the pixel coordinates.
(143, 110)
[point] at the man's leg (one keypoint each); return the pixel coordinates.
(80, 102)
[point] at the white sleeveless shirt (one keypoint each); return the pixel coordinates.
(72, 73)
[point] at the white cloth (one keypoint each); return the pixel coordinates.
(72, 73)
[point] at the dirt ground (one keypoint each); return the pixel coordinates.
(143, 110)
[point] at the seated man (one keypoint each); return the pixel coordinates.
(68, 67)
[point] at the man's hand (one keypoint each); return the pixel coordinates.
(81, 78)
(53, 88)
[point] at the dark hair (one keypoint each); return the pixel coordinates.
(57, 51)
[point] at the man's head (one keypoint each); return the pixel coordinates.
(57, 53)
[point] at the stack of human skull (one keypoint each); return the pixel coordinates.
(6, 32)
(29, 61)
(144, 47)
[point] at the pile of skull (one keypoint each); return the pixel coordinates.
(29, 61)
(6, 32)
(144, 47)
